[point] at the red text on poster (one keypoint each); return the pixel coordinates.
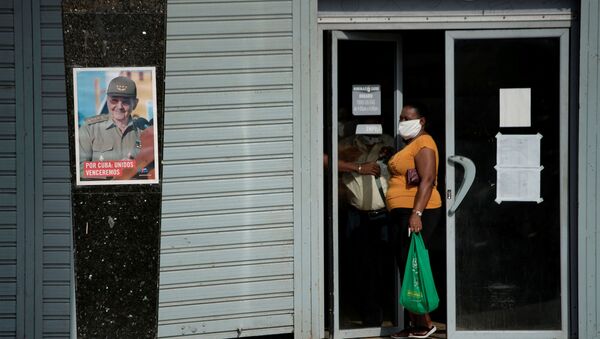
(101, 169)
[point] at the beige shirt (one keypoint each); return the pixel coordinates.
(101, 140)
(362, 190)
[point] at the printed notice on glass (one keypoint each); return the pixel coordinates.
(518, 150)
(518, 167)
(369, 129)
(366, 99)
(515, 107)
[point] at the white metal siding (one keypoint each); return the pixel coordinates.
(8, 219)
(56, 185)
(227, 245)
(589, 163)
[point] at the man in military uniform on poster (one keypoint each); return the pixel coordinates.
(116, 135)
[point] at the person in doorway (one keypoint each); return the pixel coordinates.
(366, 222)
(116, 135)
(414, 205)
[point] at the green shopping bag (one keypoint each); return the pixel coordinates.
(418, 293)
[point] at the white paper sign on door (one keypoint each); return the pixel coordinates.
(518, 168)
(515, 107)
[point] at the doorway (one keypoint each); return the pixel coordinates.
(492, 279)
(400, 66)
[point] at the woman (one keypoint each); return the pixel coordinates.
(417, 206)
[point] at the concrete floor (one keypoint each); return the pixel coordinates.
(439, 334)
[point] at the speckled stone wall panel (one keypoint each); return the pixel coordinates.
(100, 37)
(117, 259)
(116, 227)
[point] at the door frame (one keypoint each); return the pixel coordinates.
(336, 36)
(316, 76)
(451, 36)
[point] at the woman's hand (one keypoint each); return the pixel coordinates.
(414, 223)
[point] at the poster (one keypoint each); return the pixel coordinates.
(116, 136)
(518, 168)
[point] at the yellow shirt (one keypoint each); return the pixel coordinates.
(399, 194)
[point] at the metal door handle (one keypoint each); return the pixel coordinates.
(466, 183)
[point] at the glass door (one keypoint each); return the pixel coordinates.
(365, 84)
(506, 146)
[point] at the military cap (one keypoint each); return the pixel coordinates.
(123, 87)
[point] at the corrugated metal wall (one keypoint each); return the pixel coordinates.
(35, 217)
(56, 184)
(589, 163)
(227, 250)
(8, 180)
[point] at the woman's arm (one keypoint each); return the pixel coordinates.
(425, 164)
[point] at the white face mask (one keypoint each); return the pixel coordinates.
(409, 129)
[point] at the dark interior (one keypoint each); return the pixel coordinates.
(374, 62)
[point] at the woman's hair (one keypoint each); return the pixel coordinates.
(419, 107)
